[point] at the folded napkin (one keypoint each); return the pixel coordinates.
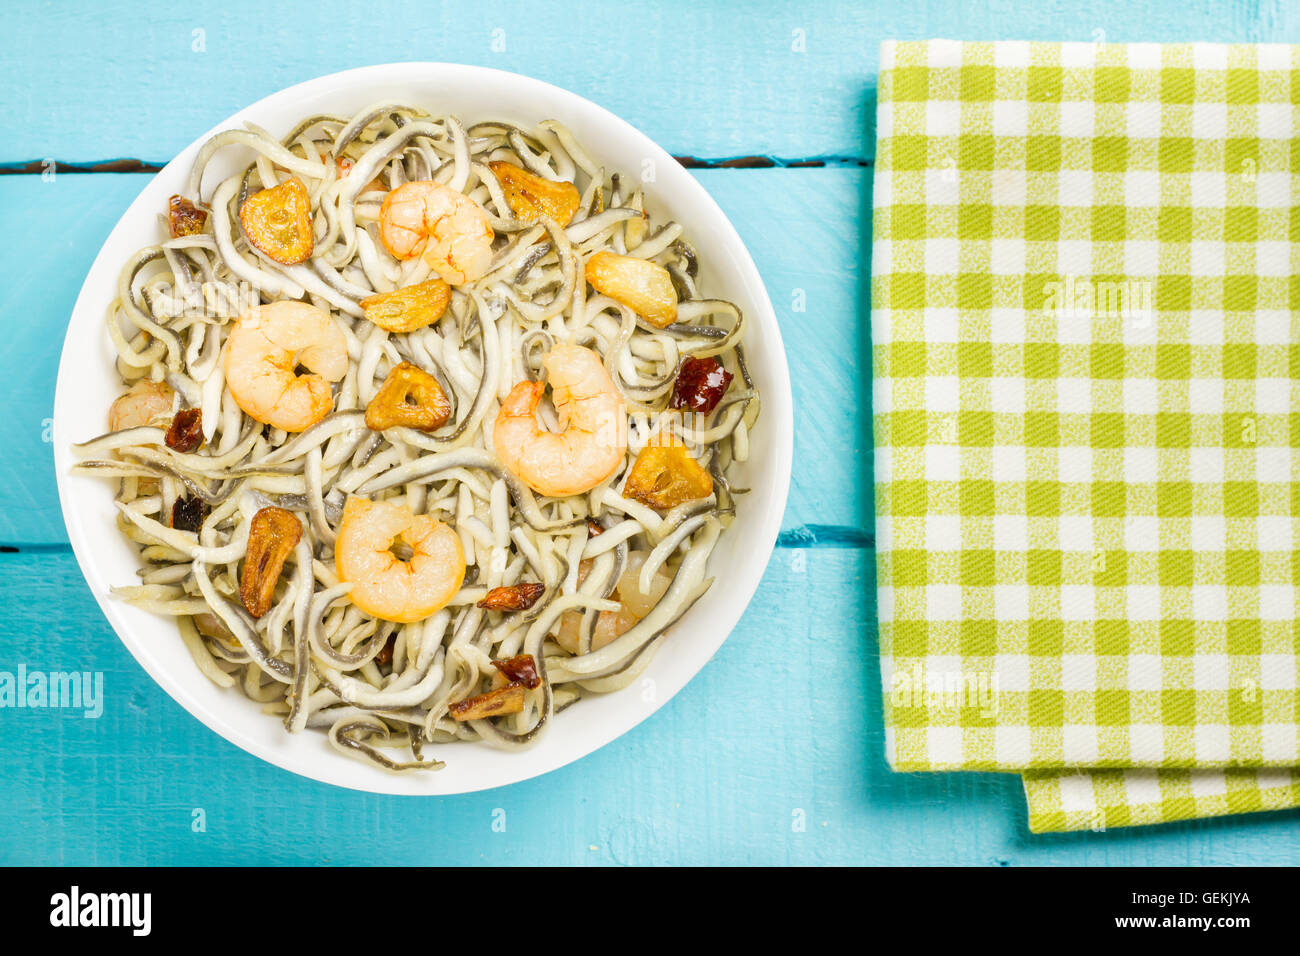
(1085, 284)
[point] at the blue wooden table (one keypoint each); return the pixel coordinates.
(774, 754)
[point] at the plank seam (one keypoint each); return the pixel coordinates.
(41, 167)
(804, 536)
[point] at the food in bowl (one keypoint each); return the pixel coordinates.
(426, 429)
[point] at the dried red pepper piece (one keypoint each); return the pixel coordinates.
(184, 218)
(516, 597)
(521, 669)
(186, 431)
(188, 513)
(700, 385)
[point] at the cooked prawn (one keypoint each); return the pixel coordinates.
(140, 404)
(634, 604)
(592, 439)
(264, 349)
(448, 228)
(144, 402)
(385, 585)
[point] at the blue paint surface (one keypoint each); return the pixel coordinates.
(774, 753)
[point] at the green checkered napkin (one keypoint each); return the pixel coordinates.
(1086, 337)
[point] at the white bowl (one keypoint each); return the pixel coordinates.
(87, 385)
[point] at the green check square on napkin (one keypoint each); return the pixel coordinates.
(1086, 350)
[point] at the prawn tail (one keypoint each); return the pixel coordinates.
(523, 399)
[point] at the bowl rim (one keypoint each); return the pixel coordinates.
(339, 771)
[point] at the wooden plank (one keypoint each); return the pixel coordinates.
(804, 228)
(710, 79)
(63, 221)
(772, 755)
(687, 91)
